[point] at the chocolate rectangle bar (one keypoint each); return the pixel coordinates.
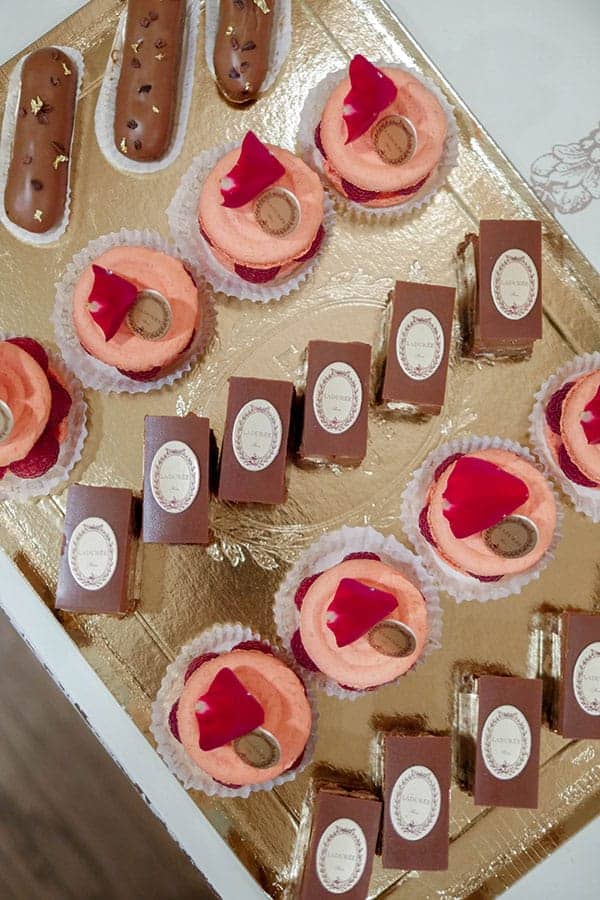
(416, 787)
(97, 553)
(336, 402)
(502, 298)
(37, 184)
(148, 88)
(176, 480)
(507, 754)
(578, 713)
(343, 838)
(255, 444)
(418, 342)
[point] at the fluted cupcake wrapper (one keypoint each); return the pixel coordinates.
(105, 107)
(9, 123)
(182, 214)
(93, 372)
(310, 117)
(71, 448)
(330, 550)
(585, 500)
(460, 585)
(219, 639)
(280, 42)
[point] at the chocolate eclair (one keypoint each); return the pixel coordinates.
(38, 177)
(242, 46)
(147, 92)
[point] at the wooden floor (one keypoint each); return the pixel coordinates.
(71, 824)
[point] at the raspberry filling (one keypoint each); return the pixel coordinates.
(34, 349)
(303, 588)
(40, 459)
(555, 405)
(445, 465)
(257, 276)
(424, 526)
(174, 727)
(196, 663)
(572, 471)
(148, 375)
(360, 195)
(299, 651)
(313, 247)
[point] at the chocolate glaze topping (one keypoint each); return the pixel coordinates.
(241, 56)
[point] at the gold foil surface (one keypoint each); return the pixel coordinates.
(185, 589)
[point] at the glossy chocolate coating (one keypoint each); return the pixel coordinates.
(38, 177)
(242, 45)
(147, 92)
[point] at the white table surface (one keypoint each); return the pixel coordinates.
(530, 72)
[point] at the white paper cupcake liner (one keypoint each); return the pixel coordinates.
(6, 144)
(218, 639)
(280, 41)
(585, 500)
(71, 448)
(98, 375)
(182, 214)
(311, 116)
(414, 498)
(105, 107)
(330, 550)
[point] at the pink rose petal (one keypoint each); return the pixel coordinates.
(355, 608)
(370, 93)
(110, 300)
(480, 494)
(590, 420)
(255, 171)
(226, 712)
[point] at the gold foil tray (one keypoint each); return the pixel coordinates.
(185, 589)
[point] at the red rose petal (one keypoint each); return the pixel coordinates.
(590, 420)
(33, 348)
(255, 170)
(40, 459)
(480, 494)
(313, 247)
(303, 589)
(149, 375)
(173, 726)
(444, 465)
(363, 555)
(110, 299)
(357, 194)
(261, 646)
(355, 608)
(572, 472)
(424, 526)
(299, 651)
(555, 405)
(319, 142)
(228, 711)
(61, 401)
(370, 93)
(196, 663)
(257, 276)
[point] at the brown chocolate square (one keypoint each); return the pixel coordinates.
(176, 480)
(579, 685)
(508, 741)
(336, 402)
(255, 444)
(97, 551)
(418, 343)
(416, 788)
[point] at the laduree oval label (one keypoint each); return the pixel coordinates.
(415, 803)
(337, 398)
(506, 742)
(150, 317)
(586, 679)
(93, 553)
(256, 435)
(341, 856)
(277, 212)
(515, 284)
(395, 139)
(174, 476)
(420, 344)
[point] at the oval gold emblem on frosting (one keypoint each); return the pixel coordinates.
(337, 398)
(92, 553)
(420, 344)
(515, 284)
(506, 742)
(150, 316)
(174, 476)
(256, 435)
(415, 803)
(586, 679)
(395, 139)
(341, 856)
(277, 211)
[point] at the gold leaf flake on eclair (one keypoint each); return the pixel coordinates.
(61, 158)
(66, 69)
(159, 56)
(38, 215)
(123, 145)
(36, 105)
(229, 30)
(136, 46)
(155, 109)
(262, 5)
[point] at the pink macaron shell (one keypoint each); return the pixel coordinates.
(236, 233)
(359, 665)
(359, 163)
(471, 554)
(148, 270)
(24, 387)
(287, 711)
(586, 456)
(228, 263)
(380, 202)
